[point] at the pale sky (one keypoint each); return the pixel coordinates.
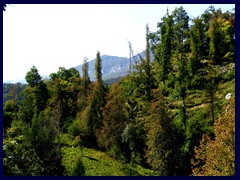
(52, 36)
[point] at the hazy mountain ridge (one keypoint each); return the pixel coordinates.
(112, 66)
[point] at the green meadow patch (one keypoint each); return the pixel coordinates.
(98, 163)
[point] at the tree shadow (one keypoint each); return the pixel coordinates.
(91, 158)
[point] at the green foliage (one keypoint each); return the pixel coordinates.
(66, 139)
(85, 76)
(128, 136)
(181, 30)
(73, 129)
(13, 92)
(116, 152)
(221, 34)
(46, 139)
(161, 139)
(133, 136)
(114, 118)
(78, 169)
(32, 77)
(198, 124)
(197, 46)
(20, 157)
(164, 49)
(9, 111)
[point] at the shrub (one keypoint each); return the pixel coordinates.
(78, 169)
(73, 129)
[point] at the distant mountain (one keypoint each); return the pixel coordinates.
(112, 66)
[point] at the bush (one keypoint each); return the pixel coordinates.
(128, 171)
(115, 152)
(73, 129)
(66, 139)
(136, 157)
(78, 169)
(20, 158)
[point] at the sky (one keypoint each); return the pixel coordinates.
(53, 35)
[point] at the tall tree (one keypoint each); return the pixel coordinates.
(206, 16)
(149, 78)
(181, 34)
(85, 89)
(85, 76)
(37, 91)
(114, 119)
(196, 45)
(228, 30)
(91, 117)
(221, 36)
(216, 39)
(46, 139)
(130, 56)
(147, 53)
(165, 47)
(98, 68)
(33, 78)
(161, 138)
(181, 30)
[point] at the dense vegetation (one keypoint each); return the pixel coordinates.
(167, 117)
(12, 92)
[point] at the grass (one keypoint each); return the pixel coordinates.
(98, 163)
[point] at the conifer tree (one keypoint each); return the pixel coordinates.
(216, 39)
(165, 47)
(196, 45)
(161, 138)
(98, 68)
(85, 76)
(147, 54)
(181, 33)
(130, 56)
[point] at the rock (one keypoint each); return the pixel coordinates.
(228, 96)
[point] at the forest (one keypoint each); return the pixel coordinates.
(170, 116)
